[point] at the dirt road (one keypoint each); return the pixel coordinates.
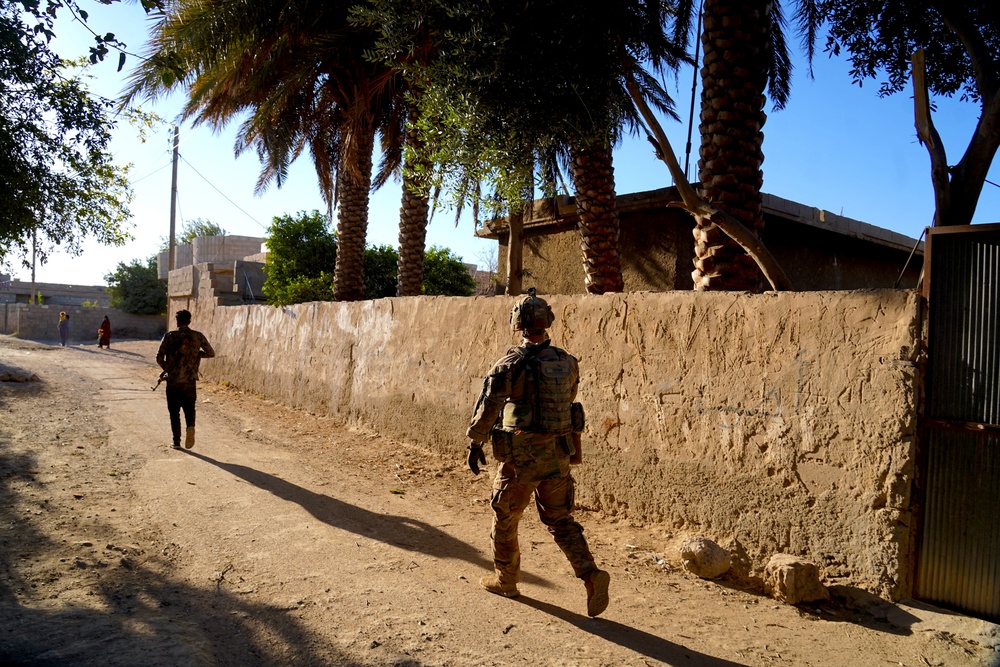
(286, 539)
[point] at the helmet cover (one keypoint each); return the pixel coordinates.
(531, 313)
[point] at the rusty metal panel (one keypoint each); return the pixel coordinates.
(959, 558)
(960, 555)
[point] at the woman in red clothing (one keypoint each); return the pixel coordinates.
(104, 334)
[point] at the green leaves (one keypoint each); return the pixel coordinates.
(301, 259)
(135, 288)
(56, 171)
(508, 84)
(446, 275)
(880, 37)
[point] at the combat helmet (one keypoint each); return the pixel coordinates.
(531, 313)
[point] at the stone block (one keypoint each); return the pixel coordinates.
(793, 580)
(704, 558)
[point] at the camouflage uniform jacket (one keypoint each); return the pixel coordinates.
(180, 354)
(501, 386)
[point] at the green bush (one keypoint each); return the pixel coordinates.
(446, 275)
(135, 288)
(301, 259)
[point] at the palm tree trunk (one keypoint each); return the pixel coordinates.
(696, 206)
(594, 180)
(734, 77)
(354, 178)
(412, 221)
(515, 251)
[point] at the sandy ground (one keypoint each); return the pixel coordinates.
(284, 538)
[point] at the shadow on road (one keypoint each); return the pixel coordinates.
(399, 531)
(640, 641)
(138, 615)
(89, 349)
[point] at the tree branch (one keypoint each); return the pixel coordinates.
(929, 137)
(971, 37)
(697, 206)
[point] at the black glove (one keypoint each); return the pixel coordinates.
(476, 457)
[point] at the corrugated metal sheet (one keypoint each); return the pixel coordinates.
(964, 364)
(959, 560)
(960, 555)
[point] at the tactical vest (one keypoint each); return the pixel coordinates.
(545, 405)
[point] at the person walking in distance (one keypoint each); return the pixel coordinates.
(104, 334)
(180, 354)
(526, 411)
(63, 328)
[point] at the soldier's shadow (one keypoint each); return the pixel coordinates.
(633, 639)
(400, 531)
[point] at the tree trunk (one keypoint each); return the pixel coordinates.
(594, 180)
(732, 117)
(515, 252)
(353, 184)
(956, 189)
(696, 206)
(412, 222)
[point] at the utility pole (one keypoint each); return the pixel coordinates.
(34, 244)
(171, 262)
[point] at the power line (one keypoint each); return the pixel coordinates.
(155, 171)
(222, 193)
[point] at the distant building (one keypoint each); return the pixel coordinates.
(221, 250)
(53, 294)
(818, 250)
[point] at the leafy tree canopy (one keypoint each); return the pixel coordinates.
(506, 85)
(960, 45)
(880, 38)
(381, 268)
(446, 275)
(301, 258)
(302, 251)
(192, 230)
(56, 170)
(135, 288)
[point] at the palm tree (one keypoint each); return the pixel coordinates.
(300, 70)
(511, 82)
(413, 211)
(745, 55)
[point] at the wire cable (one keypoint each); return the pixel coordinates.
(155, 171)
(221, 192)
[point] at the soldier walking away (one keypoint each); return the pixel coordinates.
(526, 411)
(180, 354)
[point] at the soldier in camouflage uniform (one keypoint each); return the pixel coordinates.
(180, 354)
(529, 425)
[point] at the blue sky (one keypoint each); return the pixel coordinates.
(836, 146)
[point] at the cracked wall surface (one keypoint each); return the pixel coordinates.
(786, 422)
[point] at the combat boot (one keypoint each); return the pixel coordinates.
(596, 582)
(493, 584)
(189, 437)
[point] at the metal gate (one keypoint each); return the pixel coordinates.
(958, 562)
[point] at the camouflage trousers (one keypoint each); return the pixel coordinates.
(546, 476)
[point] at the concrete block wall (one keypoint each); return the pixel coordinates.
(183, 256)
(224, 249)
(784, 421)
(41, 323)
(209, 249)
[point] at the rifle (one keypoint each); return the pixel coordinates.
(163, 376)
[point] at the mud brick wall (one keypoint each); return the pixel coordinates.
(41, 323)
(784, 421)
